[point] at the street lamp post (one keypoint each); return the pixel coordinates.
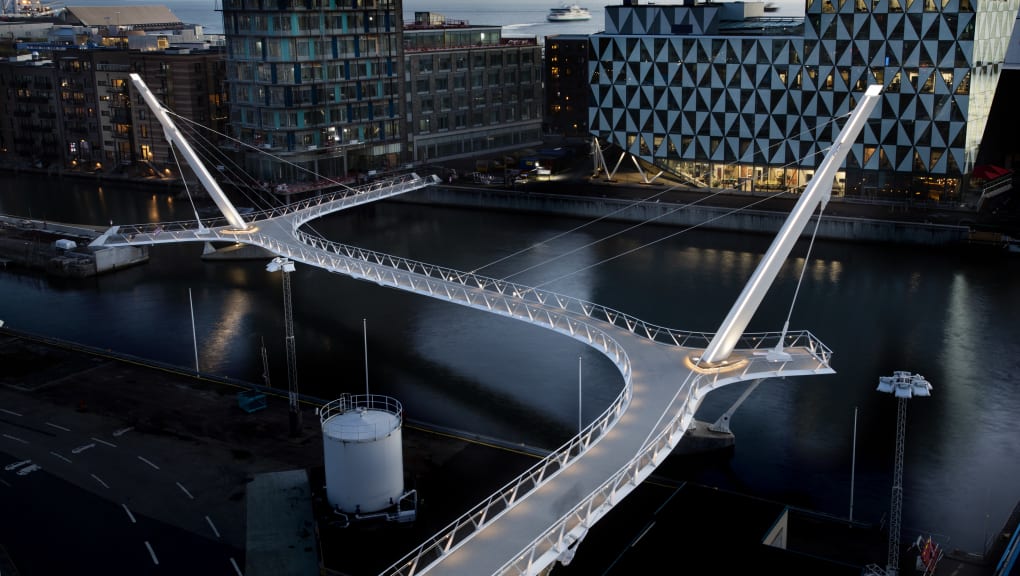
(287, 266)
(904, 386)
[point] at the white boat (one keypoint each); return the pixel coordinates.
(568, 13)
(18, 10)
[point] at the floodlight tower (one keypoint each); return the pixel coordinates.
(287, 266)
(904, 386)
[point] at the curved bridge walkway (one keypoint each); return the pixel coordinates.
(566, 493)
(540, 517)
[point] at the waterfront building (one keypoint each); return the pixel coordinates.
(73, 110)
(69, 103)
(725, 96)
(29, 126)
(566, 85)
(469, 90)
(317, 84)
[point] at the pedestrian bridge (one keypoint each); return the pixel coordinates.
(539, 518)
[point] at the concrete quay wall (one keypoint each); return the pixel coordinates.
(673, 214)
(33, 244)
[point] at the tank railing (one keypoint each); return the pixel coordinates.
(552, 544)
(513, 292)
(348, 402)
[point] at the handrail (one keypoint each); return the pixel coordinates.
(568, 315)
(316, 206)
(575, 523)
(537, 302)
(546, 298)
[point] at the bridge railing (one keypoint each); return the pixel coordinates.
(310, 208)
(562, 302)
(447, 539)
(558, 539)
(382, 268)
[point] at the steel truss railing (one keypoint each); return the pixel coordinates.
(560, 539)
(570, 316)
(216, 229)
(538, 306)
(577, 318)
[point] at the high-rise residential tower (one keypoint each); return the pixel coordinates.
(315, 86)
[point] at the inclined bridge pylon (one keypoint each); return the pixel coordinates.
(540, 517)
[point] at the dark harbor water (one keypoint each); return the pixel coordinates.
(949, 316)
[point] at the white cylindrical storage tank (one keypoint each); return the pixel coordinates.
(361, 440)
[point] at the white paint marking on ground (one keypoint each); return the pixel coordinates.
(123, 431)
(82, 448)
(29, 469)
(4, 482)
(236, 569)
(130, 515)
(16, 465)
(61, 456)
(100, 480)
(110, 444)
(58, 427)
(148, 462)
(642, 534)
(185, 490)
(152, 553)
(15, 438)
(213, 526)
(11, 412)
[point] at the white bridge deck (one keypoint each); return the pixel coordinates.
(538, 518)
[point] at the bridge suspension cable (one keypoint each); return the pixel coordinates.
(647, 221)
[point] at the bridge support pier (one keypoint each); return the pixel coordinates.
(722, 424)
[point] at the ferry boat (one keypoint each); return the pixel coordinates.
(568, 13)
(21, 10)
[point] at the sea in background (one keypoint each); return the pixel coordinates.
(522, 18)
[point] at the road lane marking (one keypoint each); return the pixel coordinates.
(82, 448)
(29, 469)
(61, 456)
(15, 438)
(110, 444)
(148, 462)
(185, 490)
(236, 569)
(130, 515)
(58, 427)
(16, 465)
(11, 412)
(642, 534)
(213, 526)
(123, 431)
(4, 482)
(100, 480)
(151, 553)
